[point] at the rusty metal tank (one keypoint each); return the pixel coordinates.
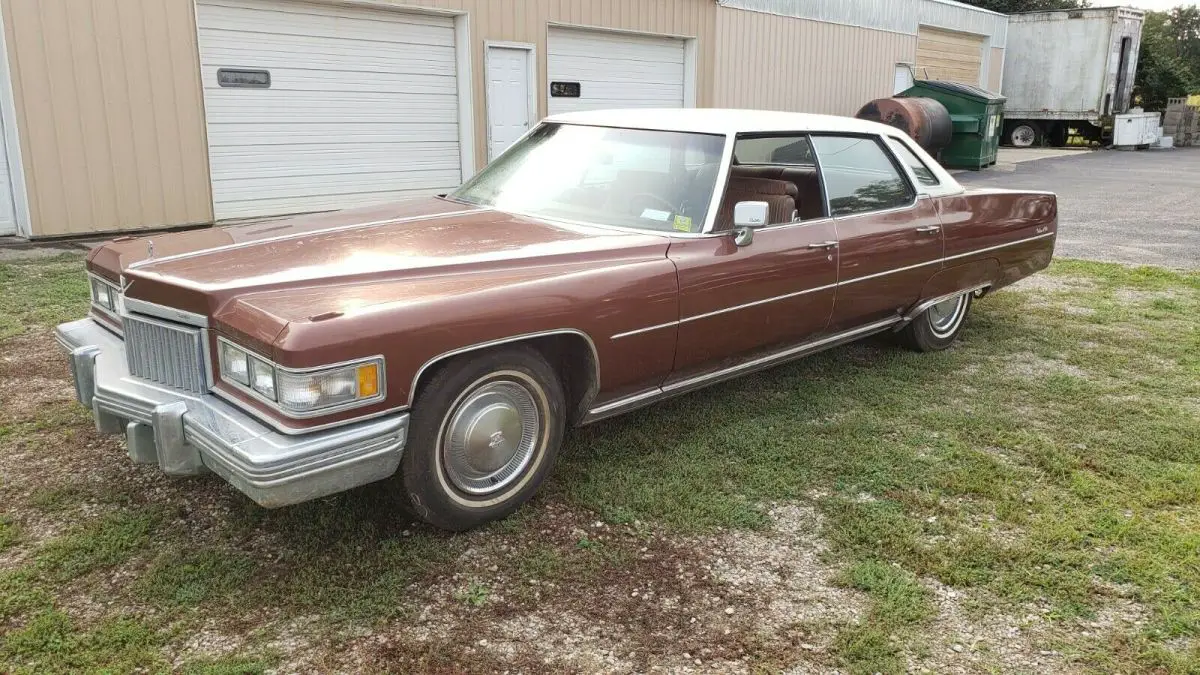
(925, 120)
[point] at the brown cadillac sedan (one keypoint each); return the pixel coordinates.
(605, 261)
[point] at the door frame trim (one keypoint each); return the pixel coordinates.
(12, 144)
(533, 88)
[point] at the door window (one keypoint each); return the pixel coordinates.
(906, 155)
(859, 176)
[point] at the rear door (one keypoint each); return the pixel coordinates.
(890, 239)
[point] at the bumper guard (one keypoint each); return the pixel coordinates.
(187, 434)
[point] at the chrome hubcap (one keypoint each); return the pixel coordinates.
(945, 316)
(1023, 136)
(491, 437)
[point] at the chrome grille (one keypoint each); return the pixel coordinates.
(165, 353)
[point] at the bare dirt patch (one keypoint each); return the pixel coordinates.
(965, 639)
(1135, 296)
(1030, 365)
(786, 573)
(33, 373)
(573, 594)
(1046, 283)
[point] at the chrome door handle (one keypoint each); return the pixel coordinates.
(824, 244)
(929, 228)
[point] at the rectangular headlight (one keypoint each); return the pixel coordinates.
(235, 364)
(262, 378)
(301, 393)
(104, 295)
(306, 392)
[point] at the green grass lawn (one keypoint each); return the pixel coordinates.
(1049, 464)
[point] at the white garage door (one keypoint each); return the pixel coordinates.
(361, 105)
(613, 70)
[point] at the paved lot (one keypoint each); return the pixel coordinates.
(1132, 207)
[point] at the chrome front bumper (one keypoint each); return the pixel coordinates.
(187, 434)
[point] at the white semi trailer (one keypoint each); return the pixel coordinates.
(1068, 71)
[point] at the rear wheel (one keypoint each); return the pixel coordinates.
(937, 327)
(484, 434)
(1024, 135)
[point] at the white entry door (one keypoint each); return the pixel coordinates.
(904, 78)
(509, 100)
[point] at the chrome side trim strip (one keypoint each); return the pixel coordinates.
(999, 246)
(936, 261)
(757, 302)
(647, 329)
(840, 283)
(693, 383)
(163, 312)
(622, 404)
(412, 390)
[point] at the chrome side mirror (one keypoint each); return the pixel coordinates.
(747, 217)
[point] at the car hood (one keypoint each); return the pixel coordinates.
(254, 279)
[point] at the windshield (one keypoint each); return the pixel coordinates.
(651, 180)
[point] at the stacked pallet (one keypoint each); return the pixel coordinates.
(1182, 122)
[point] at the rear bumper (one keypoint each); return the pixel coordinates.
(188, 434)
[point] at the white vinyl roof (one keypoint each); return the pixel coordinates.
(720, 121)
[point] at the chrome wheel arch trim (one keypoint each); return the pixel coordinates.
(926, 304)
(412, 391)
(950, 323)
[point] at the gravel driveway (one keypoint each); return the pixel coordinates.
(1130, 207)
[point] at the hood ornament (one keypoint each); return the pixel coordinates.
(150, 248)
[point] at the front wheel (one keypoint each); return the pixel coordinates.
(484, 434)
(937, 327)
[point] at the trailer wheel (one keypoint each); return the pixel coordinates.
(1025, 135)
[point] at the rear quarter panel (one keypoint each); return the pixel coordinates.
(994, 237)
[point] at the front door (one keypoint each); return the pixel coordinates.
(890, 241)
(508, 96)
(736, 303)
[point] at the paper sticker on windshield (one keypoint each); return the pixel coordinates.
(683, 223)
(655, 214)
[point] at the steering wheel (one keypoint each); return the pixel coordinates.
(667, 206)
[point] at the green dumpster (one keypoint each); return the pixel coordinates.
(977, 117)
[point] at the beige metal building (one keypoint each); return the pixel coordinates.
(123, 115)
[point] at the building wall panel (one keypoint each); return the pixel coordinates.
(109, 115)
(996, 70)
(785, 63)
(527, 21)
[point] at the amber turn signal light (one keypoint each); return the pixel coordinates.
(368, 380)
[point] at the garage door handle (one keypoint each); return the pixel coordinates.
(824, 244)
(929, 228)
